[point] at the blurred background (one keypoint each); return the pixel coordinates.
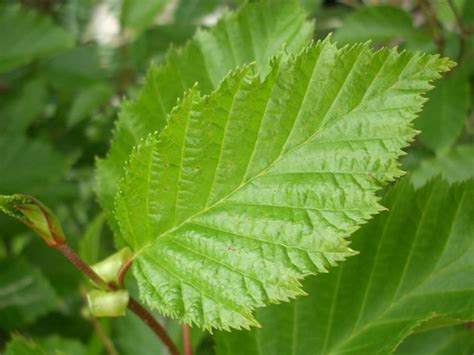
(65, 67)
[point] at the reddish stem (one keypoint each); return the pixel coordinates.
(123, 272)
(71, 255)
(188, 347)
(133, 304)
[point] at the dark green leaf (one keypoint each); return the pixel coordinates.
(20, 108)
(444, 115)
(28, 35)
(25, 294)
(458, 340)
(416, 264)
(454, 165)
(375, 23)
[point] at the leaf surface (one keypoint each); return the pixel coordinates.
(255, 33)
(415, 265)
(257, 185)
(31, 35)
(457, 340)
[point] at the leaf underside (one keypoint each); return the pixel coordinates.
(206, 59)
(257, 185)
(415, 268)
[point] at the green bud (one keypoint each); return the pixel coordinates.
(35, 215)
(108, 269)
(108, 303)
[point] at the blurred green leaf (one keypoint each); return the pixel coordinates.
(53, 345)
(87, 101)
(29, 167)
(454, 165)
(444, 11)
(61, 346)
(89, 245)
(28, 35)
(458, 340)
(130, 331)
(20, 345)
(62, 274)
(444, 115)
(405, 275)
(21, 107)
(151, 45)
(379, 24)
(468, 12)
(138, 15)
(25, 294)
(74, 69)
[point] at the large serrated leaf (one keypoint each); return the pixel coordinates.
(257, 185)
(253, 34)
(415, 267)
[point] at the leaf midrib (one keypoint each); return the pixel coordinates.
(282, 153)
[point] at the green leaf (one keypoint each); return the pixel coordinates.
(257, 185)
(454, 166)
(458, 340)
(25, 294)
(443, 118)
(375, 23)
(28, 35)
(416, 263)
(206, 59)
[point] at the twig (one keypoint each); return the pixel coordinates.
(434, 24)
(188, 346)
(463, 30)
(80, 264)
(108, 345)
(123, 272)
(133, 305)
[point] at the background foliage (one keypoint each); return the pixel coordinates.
(64, 69)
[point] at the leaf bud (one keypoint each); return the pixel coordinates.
(35, 215)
